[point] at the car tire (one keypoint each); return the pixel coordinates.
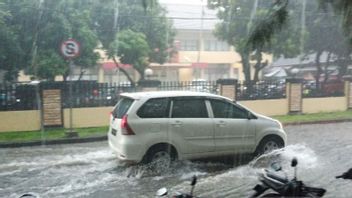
(159, 158)
(268, 144)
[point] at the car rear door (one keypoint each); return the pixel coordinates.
(191, 126)
(234, 132)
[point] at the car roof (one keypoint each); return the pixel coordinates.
(162, 94)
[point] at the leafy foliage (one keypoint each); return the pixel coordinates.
(38, 28)
(132, 48)
(131, 14)
(274, 21)
(253, 28)
(32, 30)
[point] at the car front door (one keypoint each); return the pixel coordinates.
(234, 131)
(191, 126)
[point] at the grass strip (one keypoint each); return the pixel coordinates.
(50, 134)
(315, 117)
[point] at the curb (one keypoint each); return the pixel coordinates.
(53, 142)
(317, 122)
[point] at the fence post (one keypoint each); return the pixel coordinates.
(149, 85)
(348, 91)
(294, 91)
(227, 88)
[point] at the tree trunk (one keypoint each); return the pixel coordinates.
(81, 74)
(319, 70)
(259, 65)
(124, 72)
(246, 69)
(326, 68)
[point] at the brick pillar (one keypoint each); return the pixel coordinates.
(227, 88)
(294, 95)
(348, 91)
(52, 110)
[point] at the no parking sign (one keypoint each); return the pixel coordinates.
(70, 48)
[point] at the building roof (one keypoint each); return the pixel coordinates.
(308, 59)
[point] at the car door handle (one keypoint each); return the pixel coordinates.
(177, 123)
(221, 123)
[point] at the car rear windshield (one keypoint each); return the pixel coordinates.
(122, 107)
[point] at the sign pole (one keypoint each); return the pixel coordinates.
(70, 49)
(71, 132)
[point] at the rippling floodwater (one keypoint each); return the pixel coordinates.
(90, 170)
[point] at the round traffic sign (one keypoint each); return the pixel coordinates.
(70, 48)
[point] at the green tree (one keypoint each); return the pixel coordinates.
(325, 36)
(324, 32)
(132, 49)
(41, 27)
(239, 18)
(119, 15)
(10, 50)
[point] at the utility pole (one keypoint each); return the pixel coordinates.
(200, 40)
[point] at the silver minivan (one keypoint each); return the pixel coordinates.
(168, 125)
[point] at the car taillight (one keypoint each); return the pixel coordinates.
(125, 128)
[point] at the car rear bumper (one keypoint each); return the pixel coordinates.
(126, 150)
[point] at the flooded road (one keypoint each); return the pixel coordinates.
(91, 170)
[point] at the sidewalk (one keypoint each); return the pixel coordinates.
(104, 137)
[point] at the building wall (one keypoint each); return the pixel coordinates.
(87, 117)
(267, 107)
(316, 105)
(19, 121)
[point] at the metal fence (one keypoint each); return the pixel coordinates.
(86, 93)
(261, 90)
(325, 89)
(18, 97)
(199, 86)
(92, 94)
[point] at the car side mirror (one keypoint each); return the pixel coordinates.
(249, 115)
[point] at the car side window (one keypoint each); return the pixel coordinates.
(154, 108)
(189, 108)
(222, 109)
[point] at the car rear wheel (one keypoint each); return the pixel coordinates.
(268, 144)
(159, 158)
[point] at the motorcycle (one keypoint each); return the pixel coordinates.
(163, 192)
(282, 186)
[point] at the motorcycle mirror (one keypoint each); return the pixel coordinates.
(161, 192)
(294, 162)
(276, 166)
(194, 181)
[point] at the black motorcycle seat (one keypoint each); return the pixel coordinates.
(277, 177)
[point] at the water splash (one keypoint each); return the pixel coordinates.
(240, 180)
(305, 156)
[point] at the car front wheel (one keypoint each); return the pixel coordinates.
(268, 144)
